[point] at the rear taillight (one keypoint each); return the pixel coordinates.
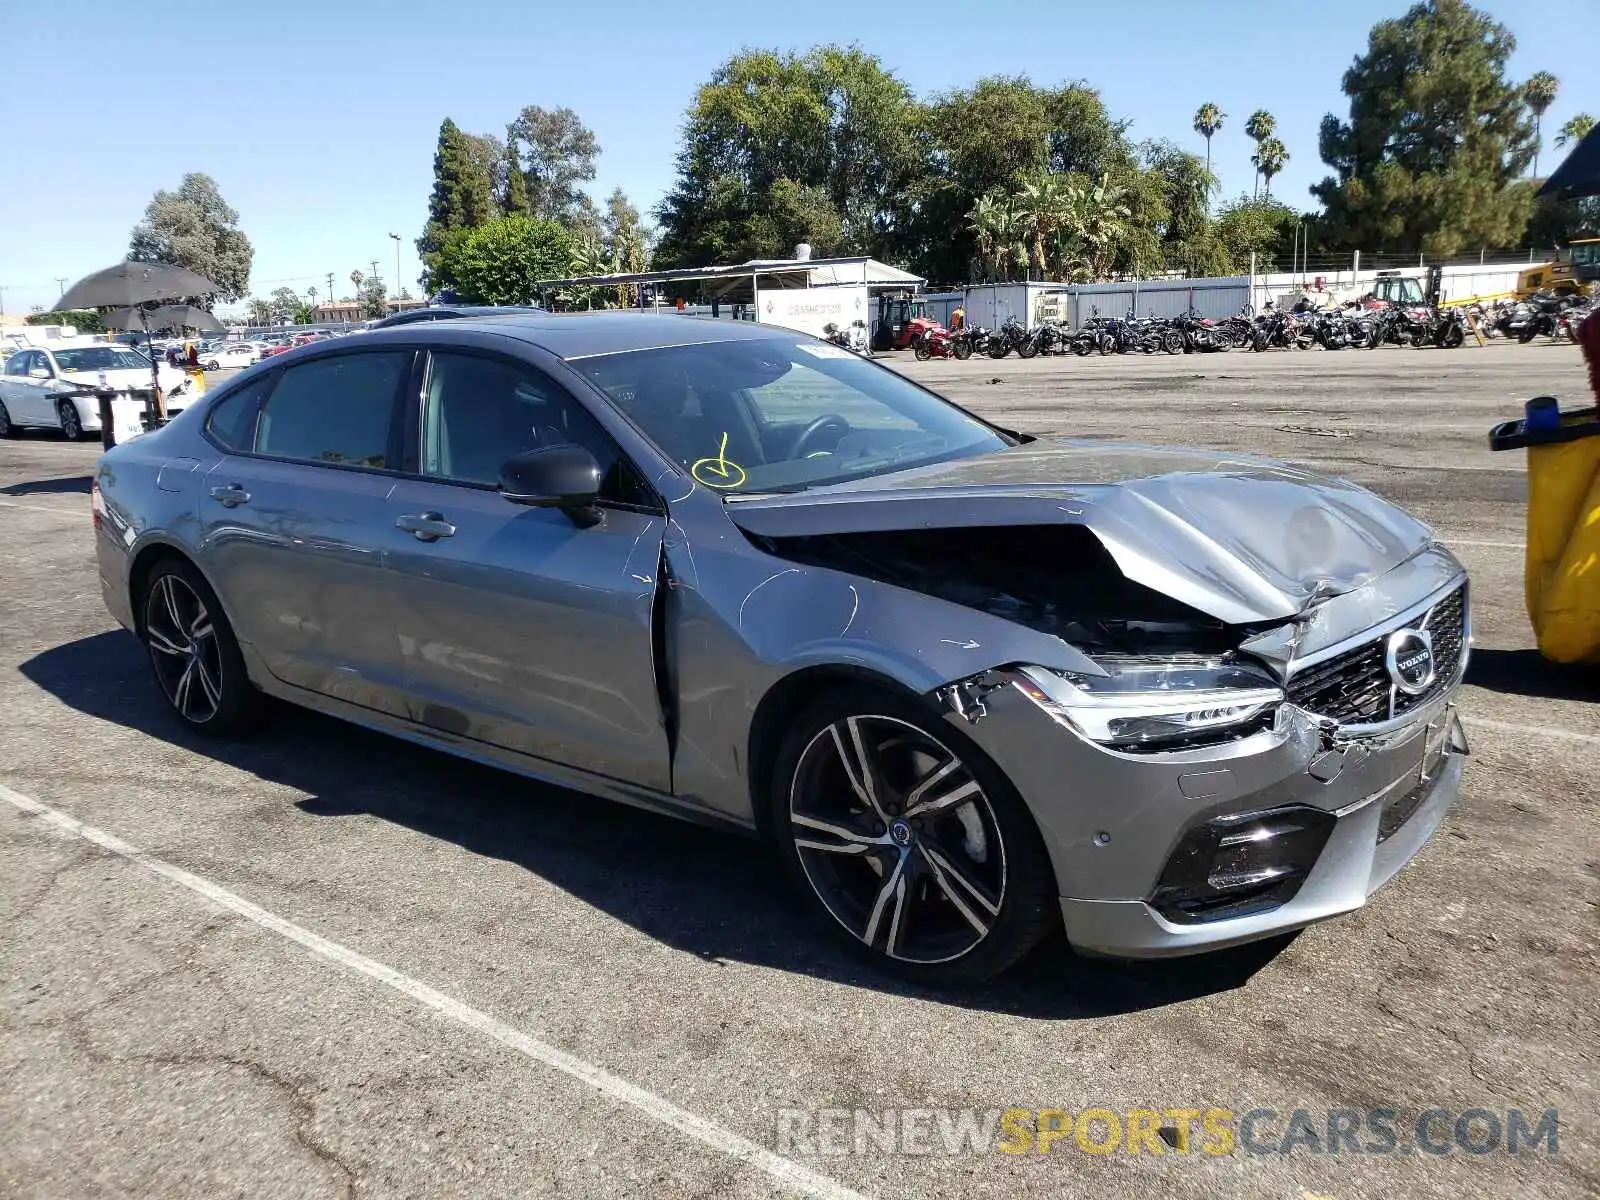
(97, 508)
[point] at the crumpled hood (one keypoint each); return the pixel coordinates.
(1242, 539)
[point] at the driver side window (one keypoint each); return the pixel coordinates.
(479, 412)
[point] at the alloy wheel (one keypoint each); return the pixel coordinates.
(897, 839)
(71, 423)
(183, 649)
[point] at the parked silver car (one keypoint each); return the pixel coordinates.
(971, 683)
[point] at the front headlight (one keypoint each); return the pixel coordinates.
(1158, 702)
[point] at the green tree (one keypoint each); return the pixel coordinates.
(1435, 137)
(514, 201)
(374, 297)
(1208, 119)
(85, 320)
(1262, 226)
(822, 145)
(282, 304)
(1540, 92)
(463, 192)
(498, 262)
(195, 228)
(260, 312)
(1269, 158)
(303, 314)
(1575, 130)
(557, 154)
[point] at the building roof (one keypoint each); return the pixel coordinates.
(822, 272)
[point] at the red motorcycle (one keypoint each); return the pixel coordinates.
(938, 342)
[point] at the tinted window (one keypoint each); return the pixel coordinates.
(17, 364)
(233, 418)
(479, 412)
(334, 410)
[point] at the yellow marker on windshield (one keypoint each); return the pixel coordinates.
(718, 472)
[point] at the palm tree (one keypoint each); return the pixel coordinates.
(1043, 202)
(1575, 130)
(1208, 120)
(356, 278)
(1269, 158)
(1100, 218)
(1540, 93)
(1260, 127)
(983, 220)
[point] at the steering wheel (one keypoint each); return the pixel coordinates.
(822, 425)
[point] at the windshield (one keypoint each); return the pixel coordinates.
(101, 358)
(1584, 253)
(783, 415)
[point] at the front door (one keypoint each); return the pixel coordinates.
(520, 627)
(294, 519)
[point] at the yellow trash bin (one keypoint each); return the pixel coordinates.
(198, 376)
(1562, 571)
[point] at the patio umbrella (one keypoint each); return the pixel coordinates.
(184, 316)
(130, 285)
(1579, 174)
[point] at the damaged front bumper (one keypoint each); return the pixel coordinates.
(1190, 850)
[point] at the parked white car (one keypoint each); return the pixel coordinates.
(54, 387)
(229, 354)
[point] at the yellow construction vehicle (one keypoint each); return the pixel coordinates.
(1576, 266)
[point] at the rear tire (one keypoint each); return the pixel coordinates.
(998, 348)
(962, 349)
(193, 653)
(949, 889)
(921, 350)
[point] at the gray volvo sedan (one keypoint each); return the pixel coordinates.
(971, 683)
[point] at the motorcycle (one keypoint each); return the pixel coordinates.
(1201, 334)
(970, 340)
(936, 342)
(1011, 336)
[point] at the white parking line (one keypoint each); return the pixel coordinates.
(1449, 541)
(76, 514)
(1533, 731)
(790, 1174)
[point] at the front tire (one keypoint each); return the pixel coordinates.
(7, 429)
(71, 422)
(910, 842)
(193, 653)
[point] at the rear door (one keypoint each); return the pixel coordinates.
(295, 514)
(520, 627)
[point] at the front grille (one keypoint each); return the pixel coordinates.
(1354, 688)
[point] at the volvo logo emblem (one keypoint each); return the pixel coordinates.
(1409, 659)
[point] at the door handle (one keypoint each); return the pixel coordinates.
(230, 495)
(425, 527)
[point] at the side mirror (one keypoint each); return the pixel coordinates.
(565, 477)
(39, 373)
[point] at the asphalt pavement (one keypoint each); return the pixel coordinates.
(320, 962)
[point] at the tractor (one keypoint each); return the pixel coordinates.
(902, 319)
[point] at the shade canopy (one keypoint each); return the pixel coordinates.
(133, 283)
(1579, 173)
(184, 316)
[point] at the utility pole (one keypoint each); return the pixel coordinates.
(62, 284)
(331, 296)
(396, 238)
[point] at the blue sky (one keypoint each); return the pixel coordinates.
(319, 120)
